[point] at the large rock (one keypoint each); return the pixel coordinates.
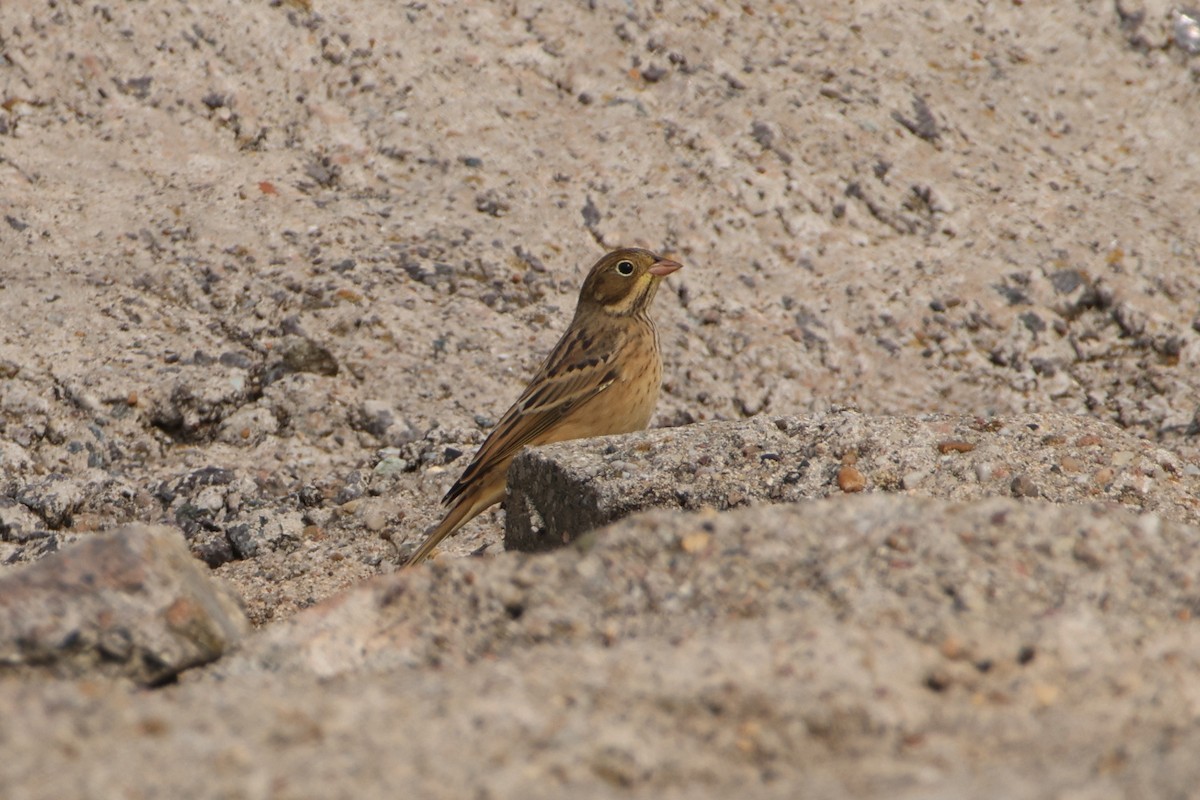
(977, 571)
(561, 491)
(873, 646)
(133, 603)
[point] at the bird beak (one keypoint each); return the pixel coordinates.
(664, 267)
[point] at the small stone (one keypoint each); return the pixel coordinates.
(1121, 458)
(19, 524)
(1023, 486)
(298, 354)
(952, 648)
(1046, 694)
(1084, 553)
(375, 519)
(696, 542)
(939, 680)
(265, 533)
(210, 498)
(1140, 484)
(654, 73)
(1070, 464)
(1066, 281)
(391, 466)
(248, 427)
(236, 359)
(54, 499)
(850, 480)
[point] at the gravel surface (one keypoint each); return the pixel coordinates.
(271, 271)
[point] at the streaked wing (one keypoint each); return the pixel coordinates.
(576, 371)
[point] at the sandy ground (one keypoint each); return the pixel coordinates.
(251, 250)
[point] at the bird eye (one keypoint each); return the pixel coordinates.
(625, 268)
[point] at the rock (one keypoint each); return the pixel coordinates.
(299, 354)
(210, 544)
(561, 491)
(761, 637)
(380, 420)
(132, 603)
(266, 530)
(720, 644)
(871, 558)
(390, 466)
(224, 517)
(54, 498)
(306, 404)
(374, 417)
(14, 458)
(248, 427)
(189, 406)
(18, 523)
(1146, 23)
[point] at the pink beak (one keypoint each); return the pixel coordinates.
(664, 267)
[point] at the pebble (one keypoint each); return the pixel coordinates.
(1023, 486)
(14, 458)
(1122, 457)
(210, 498)
(1142, 484)
(695, 542)
(952, 648)
(391, 466)
(850, 480)
(54, 499)
(375, 519)
(1046, 694)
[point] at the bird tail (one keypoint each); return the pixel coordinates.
(467, 507)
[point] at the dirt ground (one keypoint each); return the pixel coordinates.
(270, 271)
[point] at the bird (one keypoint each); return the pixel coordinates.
(602, 378)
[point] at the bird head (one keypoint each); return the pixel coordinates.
(624, 281)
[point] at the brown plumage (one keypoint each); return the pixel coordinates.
(601, 378)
